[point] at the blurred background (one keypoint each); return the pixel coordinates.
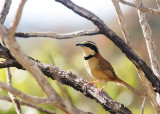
(50, 16)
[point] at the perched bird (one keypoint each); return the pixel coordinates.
(100, 68)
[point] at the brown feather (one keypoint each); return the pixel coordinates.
(128, 86)
(105, 67)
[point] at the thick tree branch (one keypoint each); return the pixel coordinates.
(5, 10)
(116, 40)
(28, 104)
(74, 81)
(56, 35)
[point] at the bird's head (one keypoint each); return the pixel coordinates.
(88, 48)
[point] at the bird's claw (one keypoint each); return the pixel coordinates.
(89, 83)
(100, 91)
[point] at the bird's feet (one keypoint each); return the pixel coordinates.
(100, 90)
(90, 83)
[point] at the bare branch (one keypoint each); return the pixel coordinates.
(158, 3)
(139, 71)
(5, 10)
(139, 63)
(13, 98)
(122, 22)
(144, 101)
(16, 19)
(58, 36)
(28, 104)
(25, 97)
(142, 8)
(147, 32)
(147, 88)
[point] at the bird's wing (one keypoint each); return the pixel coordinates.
(106, 68)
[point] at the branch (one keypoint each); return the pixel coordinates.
(25, 97)
(16, 20)
(5, 10)
(58, 36)
(13, 98)
(28, 104)
(145, 83)
(158, 3)
(139, 63)
(147, 32)
(75, 82)
(142, 8)
(122, 22)
(144, 101)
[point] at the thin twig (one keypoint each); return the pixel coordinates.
(16, 20)
(63, 90)
(13, 98)
(5, 10)
(33, 99)
(144, 101)
(142, 8)
(122, 22)
(58, 36)
(65, 93)
(28, 104)
(147, 32)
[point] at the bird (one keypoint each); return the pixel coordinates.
(100, 68)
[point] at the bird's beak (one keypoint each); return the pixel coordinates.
(81, 45)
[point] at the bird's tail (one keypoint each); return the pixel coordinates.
(128, 86)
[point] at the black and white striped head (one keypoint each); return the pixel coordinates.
(89, 48)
